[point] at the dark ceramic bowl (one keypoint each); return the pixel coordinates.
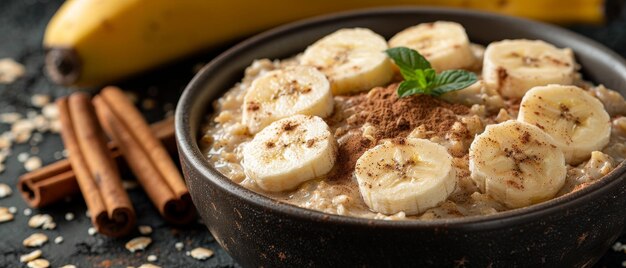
(569, 231)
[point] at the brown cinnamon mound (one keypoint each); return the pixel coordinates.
(392, 117)
(396, 117)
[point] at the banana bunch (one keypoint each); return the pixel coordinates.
(91, 42)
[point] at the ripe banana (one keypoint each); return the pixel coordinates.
(576, 120)
(91, 42)
(515, 66)
(444, 44)
(517, 164)
(289, 152)
(410, 175)
(352, 59)
(285, 92)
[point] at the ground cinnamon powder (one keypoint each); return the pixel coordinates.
(392, 117)
(397, 117)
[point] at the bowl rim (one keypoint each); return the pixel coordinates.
(188, 146)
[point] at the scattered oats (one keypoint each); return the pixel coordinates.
(37, 137)
(129, 185)
(55, 126)
(10, 70)
(5, 215)
(152, 258)
(21, 130)
(145, 229)
(50, 111)
(2, 168)
(10, 118)
(148, 104)
(66, 154)
(87, 214)
(138, 243)
(38, 263)
(41, 123)
(5, 142)
(31, 256)
(58, 155)
(28, 212)
(39, 220)
(30, 114)
(39, 100)
(49, 226)
(179, 246)
(13, 210)
(201, 253)
(68, 266)
(22, 157)
(58, 240)
(5, 190)
(35, 240)
(148, 265)
(32, 163)
(69, 216)
(91, 231)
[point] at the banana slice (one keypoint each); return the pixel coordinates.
(515, 66)
(285, 92)
(290, 151)
(352, 59)
(576, 120)
(444, 44)
(517, 164)
(410, 175)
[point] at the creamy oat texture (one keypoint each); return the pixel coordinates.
(225, 135)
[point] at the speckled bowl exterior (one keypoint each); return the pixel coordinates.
(569, 231)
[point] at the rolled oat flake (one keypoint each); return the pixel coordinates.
(31, 256)
(5, 215)
(201, 253)
(138, 243)
(40, 220)
(38, 263)
(5, 190)
(35, 240)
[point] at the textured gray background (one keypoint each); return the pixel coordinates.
(22, 24)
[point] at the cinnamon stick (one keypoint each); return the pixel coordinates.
(147, 158)
(98, 177)
(54, 182)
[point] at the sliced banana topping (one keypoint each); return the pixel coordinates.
(444, 44)
(290, 151)
(285, 92)
(576, 120)
(517, 164)
(352, 59)
(515, 66)
(409, 175)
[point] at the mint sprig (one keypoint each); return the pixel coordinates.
(421, 78)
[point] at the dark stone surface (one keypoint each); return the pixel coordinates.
(22, 23)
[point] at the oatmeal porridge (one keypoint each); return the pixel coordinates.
(344, 128)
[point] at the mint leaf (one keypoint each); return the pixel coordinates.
(451, 80)
(408, 88)
(421, 78)
(408, 60)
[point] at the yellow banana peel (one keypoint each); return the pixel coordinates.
(91, 42)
